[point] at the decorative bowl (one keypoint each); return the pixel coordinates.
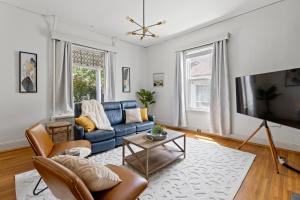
(156, 137)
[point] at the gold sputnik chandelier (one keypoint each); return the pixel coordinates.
(143, 30)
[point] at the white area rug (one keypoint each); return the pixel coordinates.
(210, 171)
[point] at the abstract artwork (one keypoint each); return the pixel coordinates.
(292, 77)
(27, 72)
(126, 79)
(158, 79)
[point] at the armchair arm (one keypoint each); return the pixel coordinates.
(151, 118)
(78, 132)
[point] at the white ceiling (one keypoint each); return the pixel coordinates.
(108, 17)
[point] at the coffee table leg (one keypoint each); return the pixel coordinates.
(123, 154)
(184, 145)
(147, 163)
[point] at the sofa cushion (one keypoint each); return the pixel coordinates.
(113, 112)
(124, 129)
(144, 126)
(129, 104)
(105, 145)
(99, 135)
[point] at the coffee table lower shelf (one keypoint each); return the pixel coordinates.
(158, 158)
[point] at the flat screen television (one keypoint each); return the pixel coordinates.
(273, 96)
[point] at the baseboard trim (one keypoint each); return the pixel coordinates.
(294, 148)
(13, 145)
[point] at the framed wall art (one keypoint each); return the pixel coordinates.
(27, 72)
(158, 79)
(126, 79)
(292, 77)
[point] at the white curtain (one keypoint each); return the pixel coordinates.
(179, 111)
(220, 117)
(110, 68)
(63, 90)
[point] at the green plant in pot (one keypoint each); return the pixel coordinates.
(146, 97)
(157, 129)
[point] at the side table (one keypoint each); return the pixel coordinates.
(60, 127)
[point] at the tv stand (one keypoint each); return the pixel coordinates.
(273, 150)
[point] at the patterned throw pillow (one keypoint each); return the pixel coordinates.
(96, 177)
(133, 115)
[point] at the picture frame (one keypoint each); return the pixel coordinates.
(126, 79)
(28, 64)
(292, 77)
(158, 79)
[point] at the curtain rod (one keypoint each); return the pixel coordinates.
(80, 45)
(204, 42)
(83, 42)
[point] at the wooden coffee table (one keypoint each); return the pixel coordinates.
(154, 154)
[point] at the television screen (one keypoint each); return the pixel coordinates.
(271, 96)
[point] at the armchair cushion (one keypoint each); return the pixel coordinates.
(130, 188)
(124, 129)
(99, 135)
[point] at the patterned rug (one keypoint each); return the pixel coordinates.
(209, 171)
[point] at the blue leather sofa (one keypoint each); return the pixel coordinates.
(103, 140)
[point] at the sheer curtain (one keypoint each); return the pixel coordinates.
(110, 68)
(180, 107)
(63, 89)
(220, 116)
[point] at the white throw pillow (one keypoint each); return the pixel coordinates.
(133, 115)
(96, 177)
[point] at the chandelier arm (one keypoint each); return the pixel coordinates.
(137, 30)
(137, 24)
(152, 34)
(152, 25)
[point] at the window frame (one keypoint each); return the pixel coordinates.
(201, 51)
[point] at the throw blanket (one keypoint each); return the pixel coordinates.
(95, 111)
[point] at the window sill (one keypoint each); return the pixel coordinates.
(62, 116)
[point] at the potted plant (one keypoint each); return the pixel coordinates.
(146, 97)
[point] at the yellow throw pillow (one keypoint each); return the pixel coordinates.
(86, 123)
(144, 114)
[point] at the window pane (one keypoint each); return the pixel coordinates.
(199, 69)
(200, 93)
(84, 83)
(200, 66)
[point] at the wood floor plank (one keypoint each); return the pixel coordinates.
(261, 182)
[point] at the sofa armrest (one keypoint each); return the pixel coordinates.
(151, 118)
(78, 132)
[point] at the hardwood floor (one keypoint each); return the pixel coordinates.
(262, 182)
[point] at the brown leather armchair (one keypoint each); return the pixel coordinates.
(64, 184)
(42, 144)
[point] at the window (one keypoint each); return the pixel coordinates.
(88, 74)
(198, 77)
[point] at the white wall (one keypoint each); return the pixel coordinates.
(261, 41)
(24, 31)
